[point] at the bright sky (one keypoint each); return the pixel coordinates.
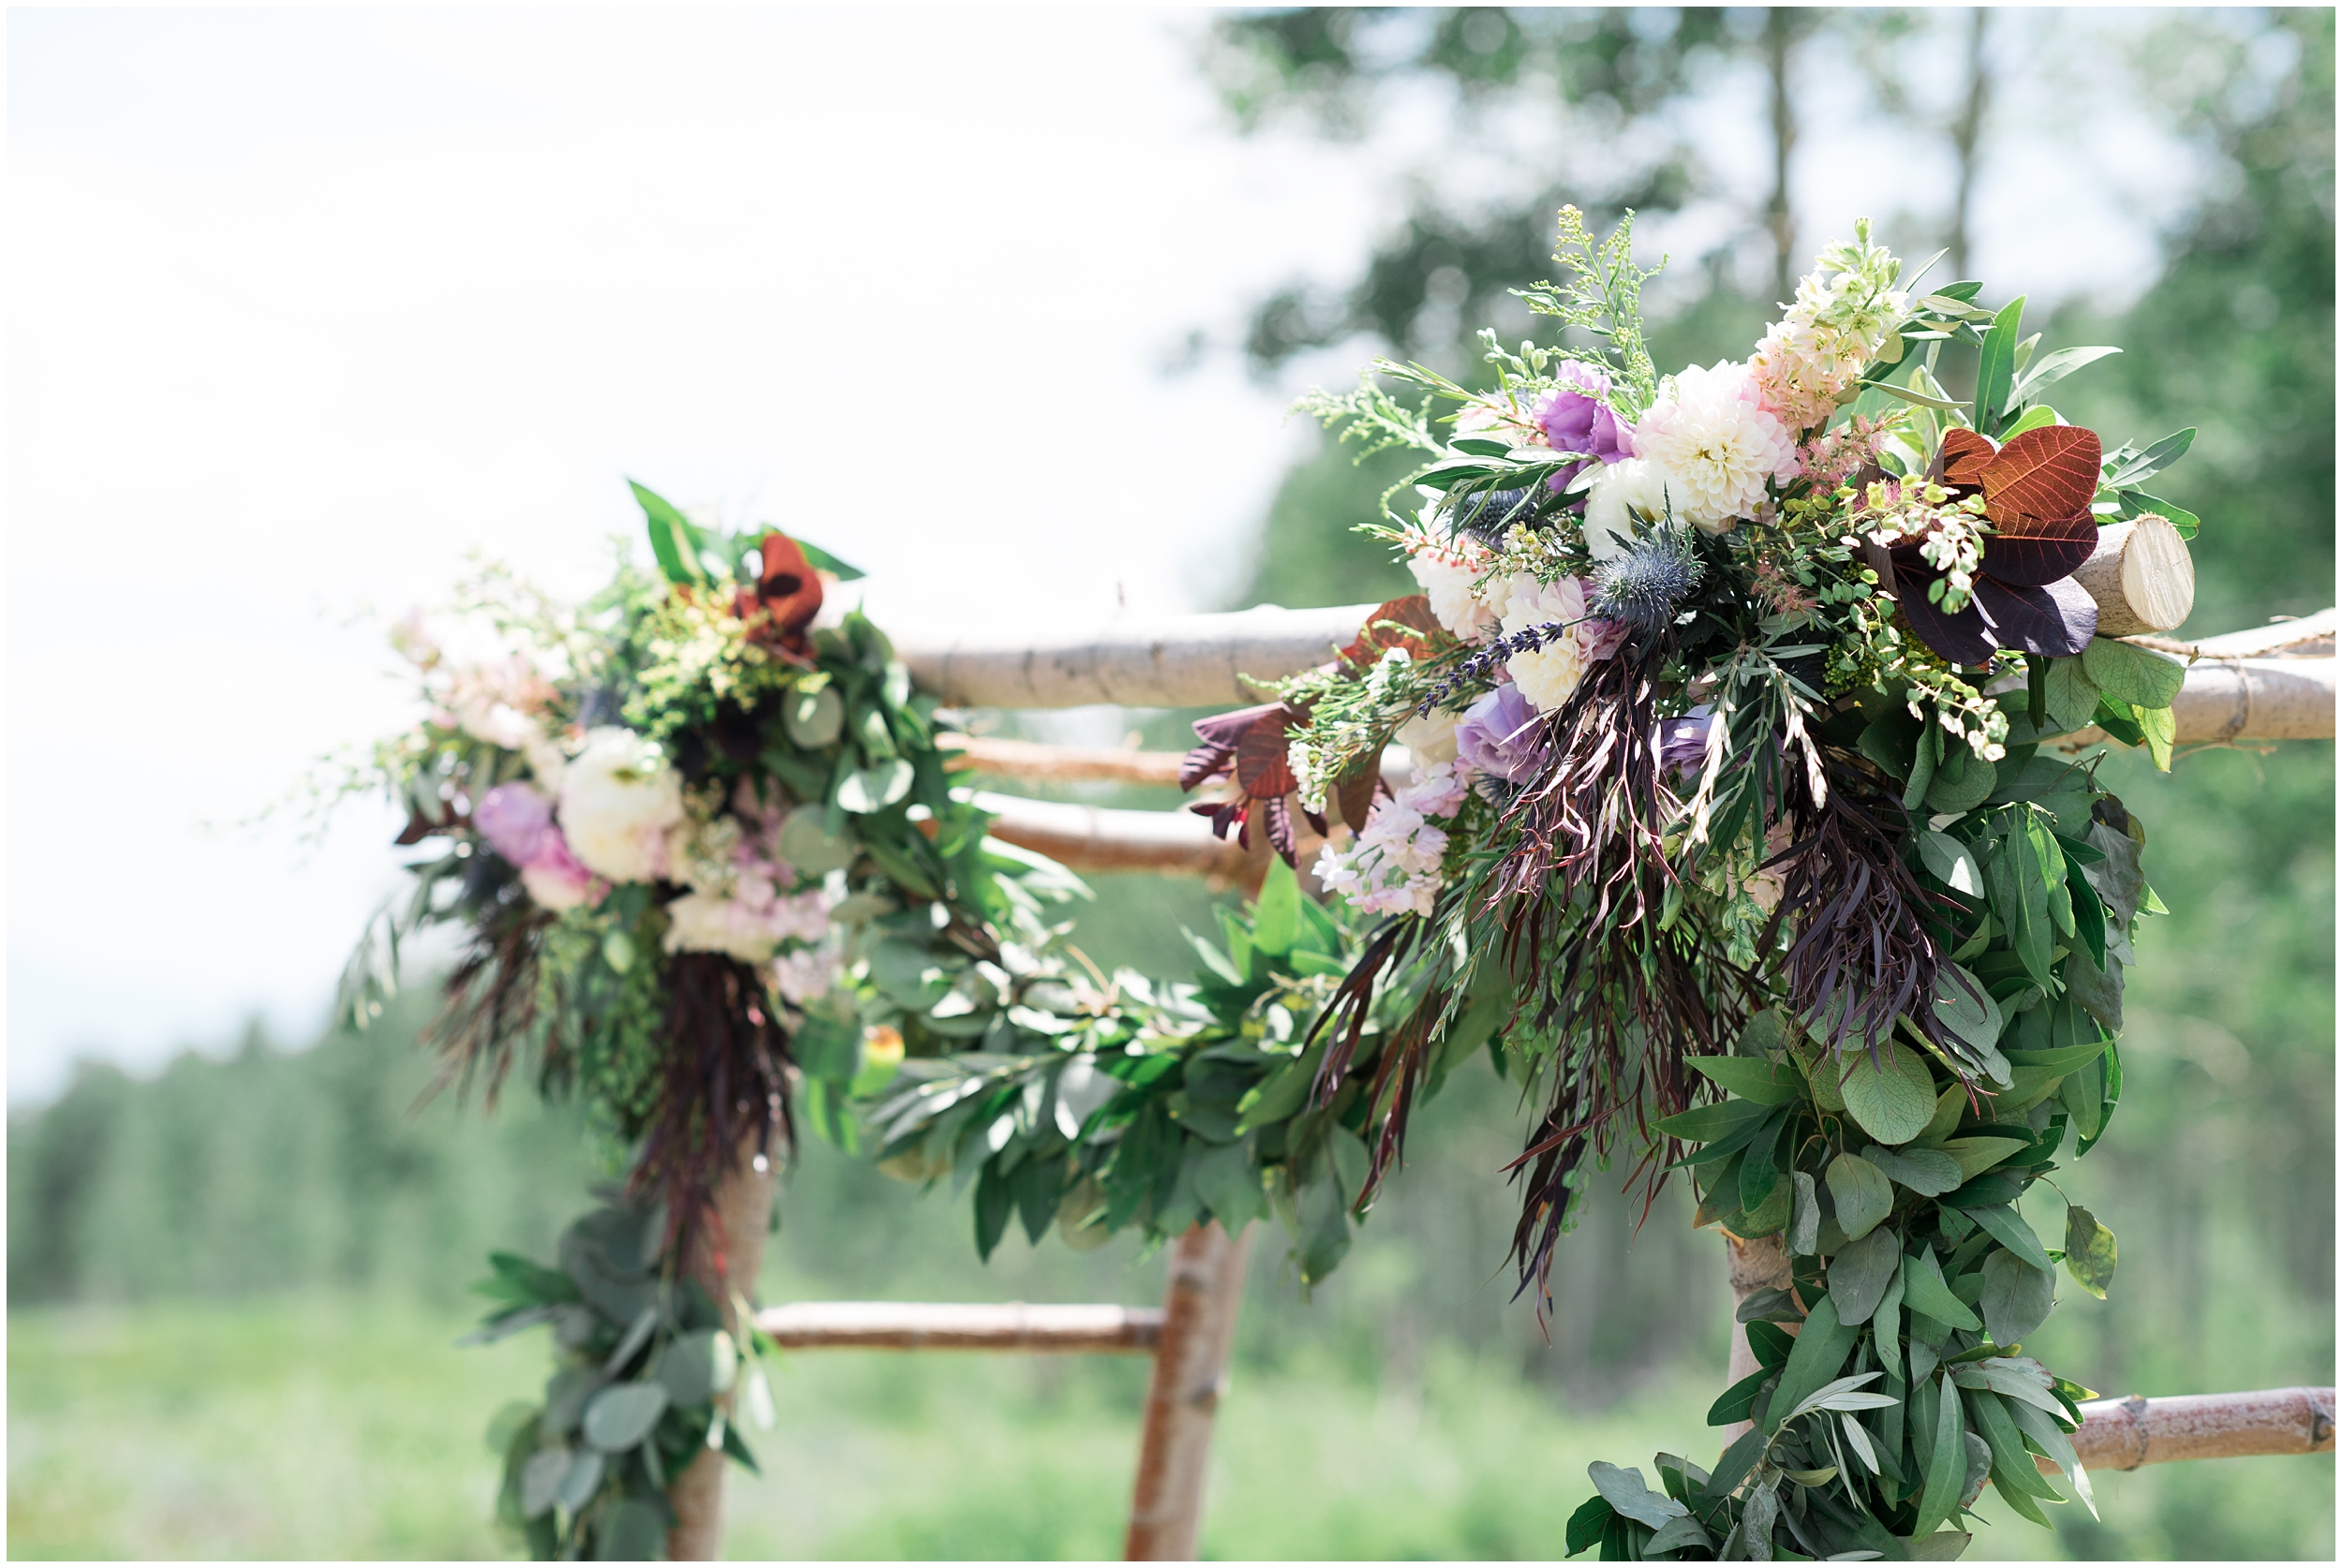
(305, 306)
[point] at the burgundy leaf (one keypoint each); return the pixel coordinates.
(2030, 552)
(1413, 612)
(1964, 457)
(1355, 794)
(2051, 472)
(1963, 638)
(1261, 768)
(2055, 618)
(1220, 735)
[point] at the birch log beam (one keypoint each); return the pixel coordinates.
(724, 1259)
(1753, 1265)
(2141, 575)
(1104, 839)
(2123, 1434)
(1207, 1287)
(918, 1326)
(1187, 661)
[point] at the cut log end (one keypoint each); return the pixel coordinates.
(2141, 577)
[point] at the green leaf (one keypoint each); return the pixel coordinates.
(623, 1414)
(2130, 673)
(2071, 694)
(1894, 1100)
(632, 1530)
(1860, 1272)
(2055, 367)
(1950, 862)
(2016, 1299)
(1862, 1193)
(1760, 1171)
(813, 718)
(1962, 779)
(695, 1368)
(822, 560)
(2153, 461)
(1626, 1494)
(1816, 1358)
(1928, 1172)
(1924, 1291)
(2089, 1251)
(1707, 1123)
(875, 789)
(2161, 730)
(1805, 1235)
(2012, 1463)
(1735, 1402)
(1587, 1524)
(1967, 1010)
(2005, 1226)
(1974, 1156)
(2138, 503)
(1923, 763)
(1763, 1083)
(806, 843)
(673, 539)
(1277, 917)
(1998, 368)
(1947, 1464)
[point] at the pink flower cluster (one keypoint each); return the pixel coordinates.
(516, 820)
(1394, 865)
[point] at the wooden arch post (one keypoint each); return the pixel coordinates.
(724, 1260)
(1199, 1311)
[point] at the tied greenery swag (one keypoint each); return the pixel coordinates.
(1729, 699)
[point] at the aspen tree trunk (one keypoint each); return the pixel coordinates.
(724, 1260)
(1751, 1266)
(1207, 1286)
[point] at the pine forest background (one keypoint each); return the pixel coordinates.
(232, 1288)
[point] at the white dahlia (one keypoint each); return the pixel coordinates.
(1716, 444)
(1627, 499)
(1444, 569)
(619, 799)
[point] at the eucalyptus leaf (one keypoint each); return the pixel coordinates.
(1860, 1272)
(581, 1480)
(1624, 1491)
(1951, 864)
(1804, 1216)
(540, 1479)
(2130, 673)
(1928, 1172)
(633, 1530)
(1892, 1100)
(2008, 1227)
(1860, 1193)
(875, 789)
(2017, 1297)
(623, 1414)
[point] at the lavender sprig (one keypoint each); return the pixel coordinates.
(1479, 669)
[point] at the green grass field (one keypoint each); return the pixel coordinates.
(323, 1427)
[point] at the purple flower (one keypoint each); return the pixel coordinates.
(515, 820)
(1577, 417)
(1683, 742)
(1502, 736)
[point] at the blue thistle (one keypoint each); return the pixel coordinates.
(1646, 586)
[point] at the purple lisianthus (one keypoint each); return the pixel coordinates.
(1683, 742)
(515, 820)
(1576, 416)
(1502, 736)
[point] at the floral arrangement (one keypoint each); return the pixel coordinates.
(701, 845)
(1724, 705)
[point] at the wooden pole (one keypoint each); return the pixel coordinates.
(724, 1260)
(2141, 575)
(2123, 1434)
(908, 1326)
(1207, 1286)
(1187, 661)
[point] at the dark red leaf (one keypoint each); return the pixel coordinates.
(1221, 733)
(1413, 612)
(1964, 637)
(2032, 551)
(1354, 794)
(1262, 770)
(2055, 618)
(1964, 455)
(2049, 473)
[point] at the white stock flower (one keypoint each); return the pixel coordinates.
(618, 800)
(1715, 443)
(1548, 675)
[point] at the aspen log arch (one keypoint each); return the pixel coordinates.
(724, 1260)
